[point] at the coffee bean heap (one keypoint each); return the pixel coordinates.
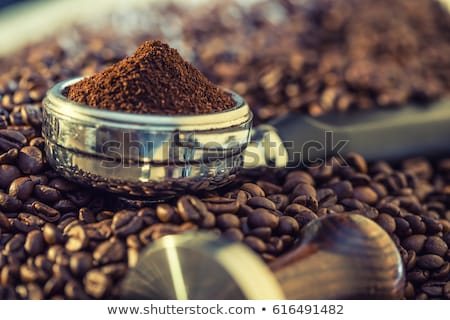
(60, 240)
(154, 80)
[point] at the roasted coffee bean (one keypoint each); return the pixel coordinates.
(38, 142)
(46, 212)
(9, 157)
(126, 222)
(165, 212)
(402, 227)
(253, 189)
(261, 202)
(263, 218)
(51, 234)
(386, 222)
(80, 263)
(81, 198)
(96, 284)
(209, 220)
(264, 233)
(109, 251)
(416, 224)
(269, 187)
(46, 194)
(441, 273)
(227, 220)
(414, 242)
(65, 206)
(430, 261)
(343, 189)
(21, 188)
(30, 160)
(99, 231)
(4, 222)
(8, 174)
(280, 201)
(326, 198)
(365, 194)
(34, 243)
(418, 275)
(288, 226)
(77, 239)
(54, 286)
(11, 139)
(191, 208)
(255, 243)
(114, 270)
(8, 203)
(435, 245)
(433, 288)
(74, 290)
(220, 205)
(233, 234)
(62, 185)
(433, 225)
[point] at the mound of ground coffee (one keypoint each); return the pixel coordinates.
(155, 79)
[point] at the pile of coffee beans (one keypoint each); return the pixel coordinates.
(156, 80)
(61, 240)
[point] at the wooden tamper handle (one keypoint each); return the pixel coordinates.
(343, 256)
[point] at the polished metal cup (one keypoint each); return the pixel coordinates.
(151, 156)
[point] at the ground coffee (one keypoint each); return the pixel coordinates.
(156, 80)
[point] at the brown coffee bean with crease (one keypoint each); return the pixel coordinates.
(280, 200)
(263, 218)
(165, 212)
(253, 189)
(220, 205)
(264, 233)
(430, 261)
(386, 222)
(414, 242)
(11, 139)
(261, 202)
(21, 188)
(96, 284)
(109, 251)
(34, 243)
(343, 189)
(46, 212)
(30, 160)
(9, 157)
(77, 239)
(435, 245)
(62, 185)
(47, 194)
(191, 208)
(126, 222)
(288, 226)
(74, 290)
(51, 234)
(269, 187)
(255, 243)
(365, 194)
(8, 173)
(304, 189)
(8, 203)
(307, 201)
(227, 220)
(80, 263)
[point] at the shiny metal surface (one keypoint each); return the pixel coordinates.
(202, 266)
(144, 155)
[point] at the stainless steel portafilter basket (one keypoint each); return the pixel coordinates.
(158, 156)
(154, 156)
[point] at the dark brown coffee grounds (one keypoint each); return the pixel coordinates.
(156, 80)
